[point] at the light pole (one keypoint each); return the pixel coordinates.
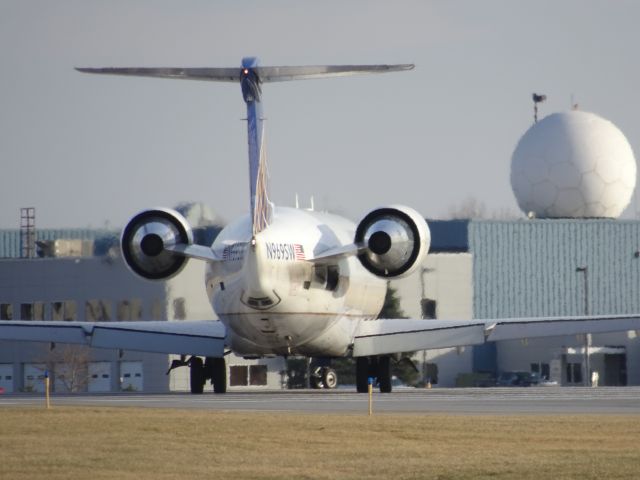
(587, 337)
(423, 298)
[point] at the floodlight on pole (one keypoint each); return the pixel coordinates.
(587, 338)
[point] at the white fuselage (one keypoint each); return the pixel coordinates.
(274, 301)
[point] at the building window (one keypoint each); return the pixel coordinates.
(129, 310)
(97, 311)
(429, 308)
(258, 375)
(179, 308)
(157, 309)
(243, 375)
(238, 375)
(32, 311)
(57, 311)
(574, 372)
(26, 311)
(431, 373)
(66, 311)
(70, 311)
(545, 371)
(542, 369)
(6, 311)
(38, 310)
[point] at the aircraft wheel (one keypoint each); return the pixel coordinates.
(196, 377)
(329, 378)
(219, 375)
(362, 374)
(384, 374)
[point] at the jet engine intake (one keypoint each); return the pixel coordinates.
(396, 238)
(146, 238)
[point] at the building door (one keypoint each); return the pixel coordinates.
(33, 377)
(99, 377)
(6, 377)
(131, 376)
(573, 373)
(615, 370)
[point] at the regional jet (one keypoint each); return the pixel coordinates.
(287, 281)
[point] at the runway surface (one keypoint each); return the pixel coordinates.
(497, 401)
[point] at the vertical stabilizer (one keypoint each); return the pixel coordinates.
(261, 208)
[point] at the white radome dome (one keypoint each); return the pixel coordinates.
(573, 164)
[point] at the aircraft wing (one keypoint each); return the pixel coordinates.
(378, 337)
(205, 338)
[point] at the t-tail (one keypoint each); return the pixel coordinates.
(251, 76)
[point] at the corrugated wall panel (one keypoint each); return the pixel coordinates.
(528, 267)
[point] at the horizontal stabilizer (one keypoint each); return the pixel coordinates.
(204, 338)
(209, 74)
(264, 74)
(281, 74)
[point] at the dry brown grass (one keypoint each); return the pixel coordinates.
(139, 443)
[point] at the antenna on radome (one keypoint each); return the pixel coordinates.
(537, 98)
(574, 105)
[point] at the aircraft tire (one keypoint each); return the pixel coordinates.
(384, 374)
(196, 375)
(219, 375)
(362, 374)
(329, 378)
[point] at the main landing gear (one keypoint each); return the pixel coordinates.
(214, 369)
(378, 368)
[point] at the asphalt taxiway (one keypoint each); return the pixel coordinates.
(497, 401)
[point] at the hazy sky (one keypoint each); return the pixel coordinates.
(88, 150)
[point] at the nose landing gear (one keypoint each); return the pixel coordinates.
(324, 377)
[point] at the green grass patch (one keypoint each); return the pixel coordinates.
(141, 443)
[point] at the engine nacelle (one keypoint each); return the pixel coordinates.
(145, 239)
(397, 240)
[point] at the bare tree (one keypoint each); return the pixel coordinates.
(69, 365)
(473, 209)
